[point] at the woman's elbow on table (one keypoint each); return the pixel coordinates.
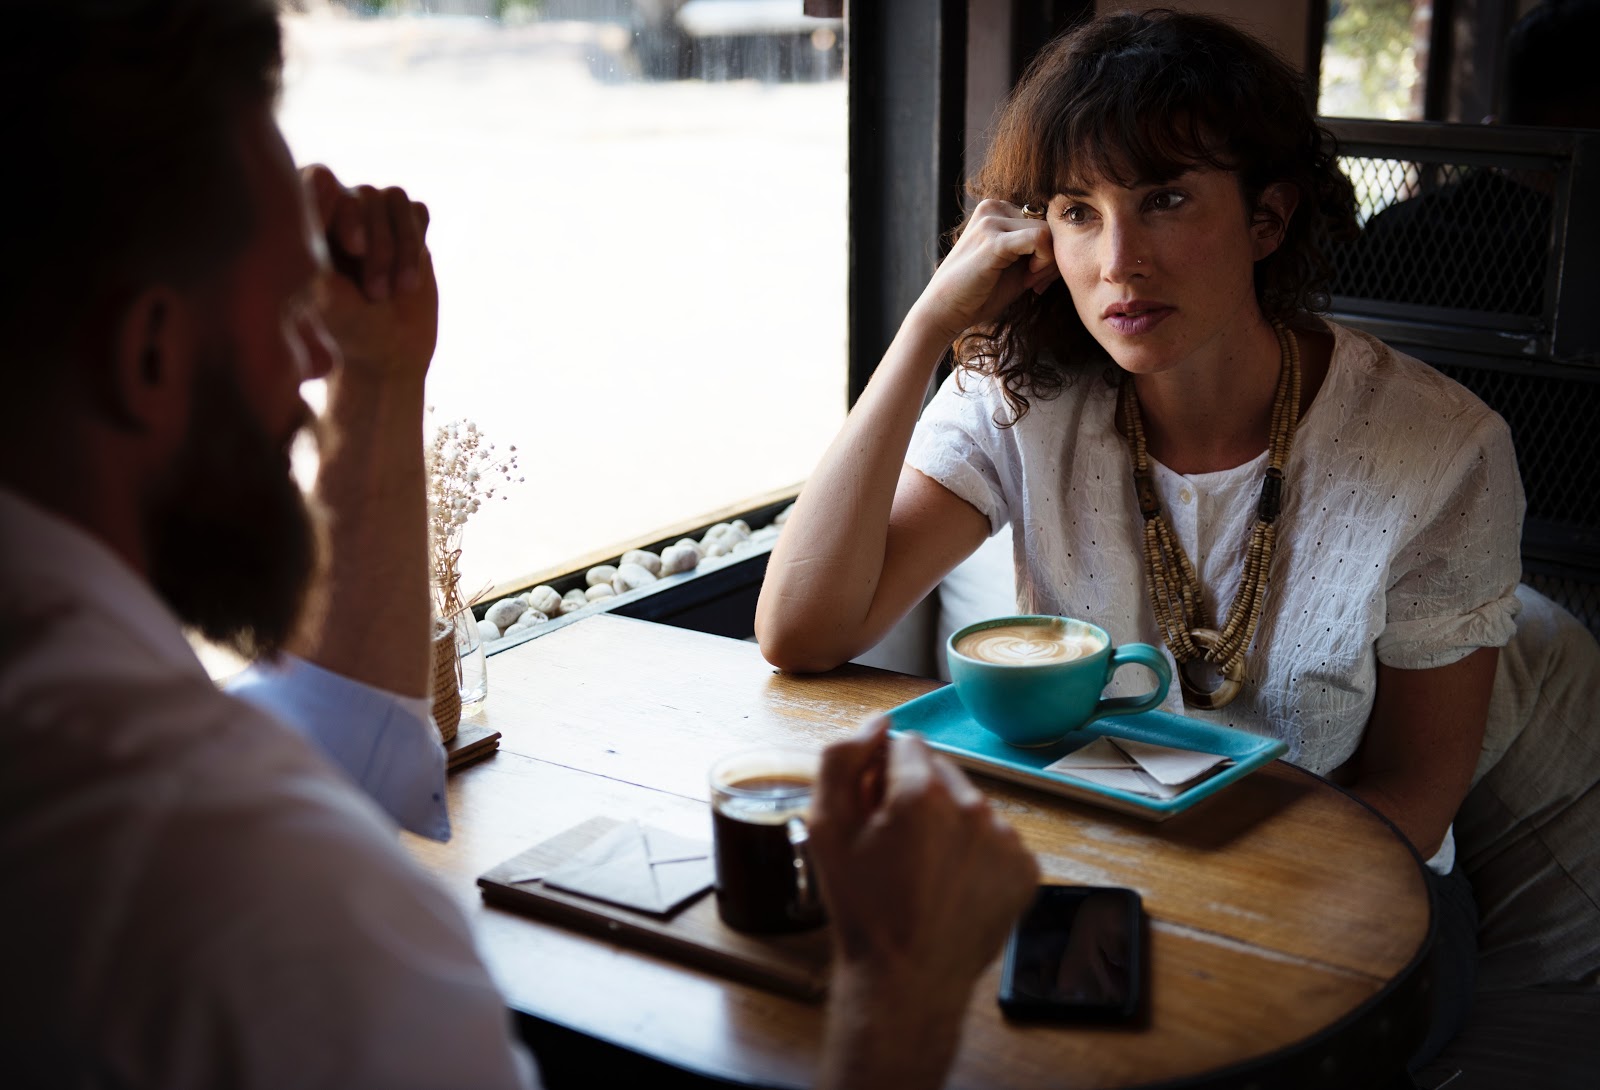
(794, 650)
(801, 635)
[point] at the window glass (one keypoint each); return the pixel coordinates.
(639, 226)
(1375, 59)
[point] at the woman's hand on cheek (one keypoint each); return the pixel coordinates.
(1000, 255)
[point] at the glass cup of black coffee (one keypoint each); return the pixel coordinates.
(760, 801)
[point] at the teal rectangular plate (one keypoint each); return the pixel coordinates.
(942, 719)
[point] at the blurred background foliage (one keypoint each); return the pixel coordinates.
(1373, 59)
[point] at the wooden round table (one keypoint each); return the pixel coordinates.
(1288, 922)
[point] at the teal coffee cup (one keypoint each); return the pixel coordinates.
(1033, 680)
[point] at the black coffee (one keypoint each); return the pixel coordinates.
(758, 879)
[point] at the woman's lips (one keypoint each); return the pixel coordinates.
(1133, 322)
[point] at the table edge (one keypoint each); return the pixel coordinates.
(1292, 1060)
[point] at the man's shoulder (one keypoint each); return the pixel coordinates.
(178, 862)
(86, 704)
(132, 767)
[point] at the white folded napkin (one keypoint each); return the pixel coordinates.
(1139, 767)
(636, 866)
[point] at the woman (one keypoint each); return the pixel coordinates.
(1322, 531)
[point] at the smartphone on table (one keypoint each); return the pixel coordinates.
(1076, 955)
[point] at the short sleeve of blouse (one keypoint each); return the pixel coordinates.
(956, 442)
(1452, 585)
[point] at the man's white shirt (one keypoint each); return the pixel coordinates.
(193, 894)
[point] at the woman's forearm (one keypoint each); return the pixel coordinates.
(824, 574)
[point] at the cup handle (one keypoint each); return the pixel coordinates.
(1141, 654)
(805, 886)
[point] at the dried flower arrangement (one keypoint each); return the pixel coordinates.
(464, 471)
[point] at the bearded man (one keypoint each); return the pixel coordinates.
(181, 870)
(194, 894)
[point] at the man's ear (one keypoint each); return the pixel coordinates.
(152, 362)
(1270, 220)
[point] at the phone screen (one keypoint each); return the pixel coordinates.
(1075, 954)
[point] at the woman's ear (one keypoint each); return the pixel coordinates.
(152, 351)
(1270, 220)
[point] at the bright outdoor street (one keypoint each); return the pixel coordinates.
(643, 283)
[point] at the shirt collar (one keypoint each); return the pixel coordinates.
(39, 549)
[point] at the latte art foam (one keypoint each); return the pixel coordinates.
(1027, 644)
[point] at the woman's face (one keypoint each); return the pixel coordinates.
(1162, 274)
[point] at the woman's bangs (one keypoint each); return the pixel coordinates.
(1129, 148)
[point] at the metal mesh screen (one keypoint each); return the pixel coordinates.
(1449, 235)
(1455, 263)
(1555, 424)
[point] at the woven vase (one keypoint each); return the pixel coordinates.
(446, 685)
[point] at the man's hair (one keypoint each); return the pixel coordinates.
(120, 132)
(1138, 98)
(1550, 64)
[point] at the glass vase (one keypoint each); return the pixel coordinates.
(472, 675)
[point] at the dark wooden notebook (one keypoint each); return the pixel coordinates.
(795, 965)
(471, 743)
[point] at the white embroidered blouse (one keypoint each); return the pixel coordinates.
(1397, 543)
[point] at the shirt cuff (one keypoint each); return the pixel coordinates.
(1429, 642)
(385, 742)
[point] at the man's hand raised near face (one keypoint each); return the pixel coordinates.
(382, 302)
(381, 305)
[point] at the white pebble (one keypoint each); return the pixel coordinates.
(632, 577)
(647, 560)
(573, 599)
(545, 598)
(531, 616)
(599, 591)
(600, 573)
(727, 533)
(504, 613)
(690, 543)
(677, 558)
(487, 630)
(782, 516)
(520, 627)
(716, 548)
(765, 534)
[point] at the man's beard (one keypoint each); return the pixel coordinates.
(235, 548)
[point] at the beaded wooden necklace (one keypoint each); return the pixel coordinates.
(1169, 578)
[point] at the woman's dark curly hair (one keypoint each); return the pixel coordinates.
(1137, 98)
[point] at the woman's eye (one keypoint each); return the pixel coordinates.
(1166, 200)
(1075, 213)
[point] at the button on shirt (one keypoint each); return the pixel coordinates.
(193, 896)
(1398, 541)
